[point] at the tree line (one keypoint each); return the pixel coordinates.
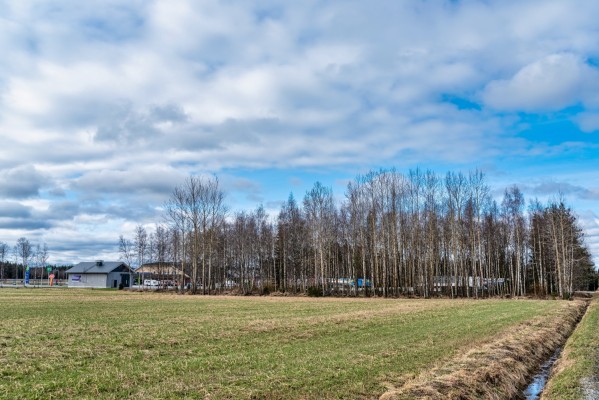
(14, 260)
(393, 234)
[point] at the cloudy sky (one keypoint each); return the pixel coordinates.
(106, 105)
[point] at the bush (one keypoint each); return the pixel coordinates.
(314, 291)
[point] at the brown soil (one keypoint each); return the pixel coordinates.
(499, 369)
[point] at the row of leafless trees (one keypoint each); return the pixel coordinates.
(393, 234)
(24, 254)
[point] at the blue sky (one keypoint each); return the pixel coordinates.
(106, 105)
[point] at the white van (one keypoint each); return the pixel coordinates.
(151, 283)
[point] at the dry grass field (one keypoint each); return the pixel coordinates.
(61, 343)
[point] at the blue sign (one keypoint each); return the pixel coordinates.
(27, 275)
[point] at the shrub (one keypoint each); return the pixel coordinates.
(314, 291)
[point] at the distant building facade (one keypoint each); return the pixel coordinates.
(100, 275)
(162, 272)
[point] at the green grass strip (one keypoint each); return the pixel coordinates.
(578, 360)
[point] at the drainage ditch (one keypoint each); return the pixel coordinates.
(535, 388)
(499, 369)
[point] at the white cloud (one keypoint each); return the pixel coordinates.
(141, 180)
(21, 182)
(105, 99)
(588, 121)
(589, 221)
(552, 83)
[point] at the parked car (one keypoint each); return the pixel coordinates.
(151, 283)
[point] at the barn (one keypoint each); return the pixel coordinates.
(100, 274)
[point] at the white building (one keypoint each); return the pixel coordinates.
(99, 274)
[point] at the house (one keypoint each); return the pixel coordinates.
(166, 271)
(99, 274)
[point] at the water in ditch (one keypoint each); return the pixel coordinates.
(534, 389)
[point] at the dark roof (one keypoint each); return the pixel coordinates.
(92, 267)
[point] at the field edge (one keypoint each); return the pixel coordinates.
(499, 369)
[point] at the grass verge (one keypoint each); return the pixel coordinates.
(498, 369)
(110, 344)
(573, 374)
